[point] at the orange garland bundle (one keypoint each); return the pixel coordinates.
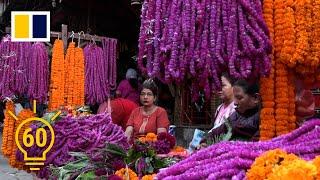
(267, 125)
(8, 130)
(74, 83)
(302, 45)
(56, 98)
(292, 104)
(289, 36)
(282, 99)
(78, 92)
(69, 73)
(23, 115)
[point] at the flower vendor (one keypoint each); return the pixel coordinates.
(120, 110)
(129, 87)
(244, 121)
(148, 118)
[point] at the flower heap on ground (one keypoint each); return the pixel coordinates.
(232, 159)
(199, 40)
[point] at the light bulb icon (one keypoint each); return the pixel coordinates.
(40, 139)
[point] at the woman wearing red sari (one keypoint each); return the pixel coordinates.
(148, 118)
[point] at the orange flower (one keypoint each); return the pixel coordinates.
(151, 137)
(127, 174)
(142, 139)
(149, 177)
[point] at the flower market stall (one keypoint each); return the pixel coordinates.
(186, 44)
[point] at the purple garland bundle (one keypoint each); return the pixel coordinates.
(230, 160)
(84, 134)
(39, 73)
(96, 81)
(100, 70)
(200, 39)
(14, 63)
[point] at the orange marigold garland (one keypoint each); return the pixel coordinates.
(78, 93)
(289, 37)
(69, 74)
(8, 130)
(301, 31)
(23, 115)
(57, 83)
(292, 105)
(316, 34)
(74, 83)
(282, 99)
(267, 121)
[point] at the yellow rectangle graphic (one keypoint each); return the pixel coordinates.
(34, 164)
(21, 26)
(34, 169)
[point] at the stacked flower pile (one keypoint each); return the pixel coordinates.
(277, 164)
(82, 134)
(232, 159)
(193, 39)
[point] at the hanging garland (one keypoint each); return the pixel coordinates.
(39, 75)
(57, 83)
(267, 120)
(100, 70)
(198, 40)
(23, 115)
(14, 64)
(8, 130)
(78, 91)
(74, 76)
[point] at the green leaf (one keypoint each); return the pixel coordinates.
(86, 176)
(115, 150)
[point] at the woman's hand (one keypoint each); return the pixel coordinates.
(161, 130)
(128, 132)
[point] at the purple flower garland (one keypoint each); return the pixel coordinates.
(14, 67)
(231, 159)
(39, 75)
(198, 39)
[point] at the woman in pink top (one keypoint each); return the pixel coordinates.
(148, 118)
(226, 95)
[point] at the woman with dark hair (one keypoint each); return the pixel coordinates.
(244, 122)
(149, 118)
(129, 88)
(226, 95)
